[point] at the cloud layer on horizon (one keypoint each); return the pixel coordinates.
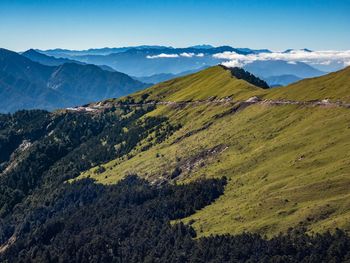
(185, 55)
(233, 59)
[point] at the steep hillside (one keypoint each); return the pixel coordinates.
(287, 164)
(211, 83)
(86, 83)
(25, 84)
(19, 67)
(334, 86)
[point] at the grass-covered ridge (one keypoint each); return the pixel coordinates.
(286, 165)
(333, 86)
(218, 82)
(214, 82)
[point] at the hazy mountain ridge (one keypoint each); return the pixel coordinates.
(136, 62)
(108, 51)
(47, 60)
(266, 69)
(94, 51)
(54, 61)
(157, 78)
(281, 80)
(27, 84)
(162, 61)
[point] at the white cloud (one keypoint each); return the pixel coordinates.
(185, 55)
(232, 63)
(163, 55)
(326, 62)
(190, 55)
(314, 57)
(230, 55)
(234, 59)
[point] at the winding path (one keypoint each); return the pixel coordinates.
(253, 100)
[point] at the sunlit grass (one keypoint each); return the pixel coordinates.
(286, 166)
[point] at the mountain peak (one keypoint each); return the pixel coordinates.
(31, 53)
(293, 50)
(240, 73)
(31, 50)
(203, 46)
(209, 84)
(6, 52)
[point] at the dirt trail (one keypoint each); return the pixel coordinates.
(229, 101)
(7, 244)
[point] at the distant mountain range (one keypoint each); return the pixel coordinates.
(274, 72)
(46, 59)
(281, 80)
(53, 61)
(153, 64)
(270, 68)
(291, 50)
(60, 78)
(156, 78)
(282, 73)
(58, 52)
(147, 61)
(26, 84)
(94, 51)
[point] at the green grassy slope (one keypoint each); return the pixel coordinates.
(214, 82)
(333, 86)
(287, 165)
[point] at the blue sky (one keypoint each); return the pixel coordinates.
(277, 25)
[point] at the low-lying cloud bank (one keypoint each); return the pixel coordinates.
(185, 55)
(234, 59)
